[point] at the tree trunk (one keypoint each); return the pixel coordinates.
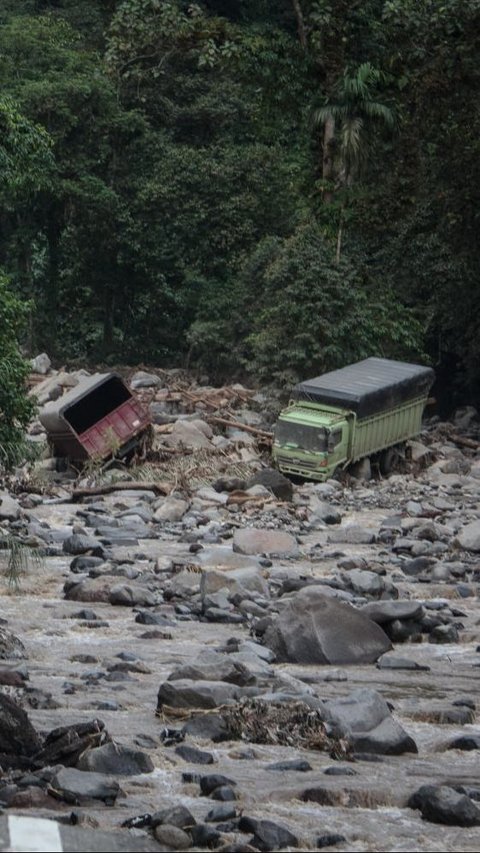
(51, 296)
(302, 33)
(328, 157)
(109, 300)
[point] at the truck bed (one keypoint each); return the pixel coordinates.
(368, 387)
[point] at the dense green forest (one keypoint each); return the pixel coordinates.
(271, 187)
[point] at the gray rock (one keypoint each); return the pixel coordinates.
(444, 805)
(9, 508)
(325, 512)
(188, 434)
(444, 634)
(81, 544)
(365, 719)
(18, 739)
(117, 760)
(273, 480)
(89, 591)
(352, 534)
(10, 646)
(252, 540)
(41, 363)
(178, 816)
(314, 628)
(132, 594)
(213, 666)
(186, 693)
(469, 537)
(222, 557)
(171, 837)
(142, 379)
(382, 612)
(194, 755)
(390, 661)
(268, 835)
(235, 581)
(78, 786)
(171, 509)
(364, 583)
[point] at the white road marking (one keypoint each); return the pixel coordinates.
(34, 835)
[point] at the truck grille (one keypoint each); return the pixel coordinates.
(288, 461)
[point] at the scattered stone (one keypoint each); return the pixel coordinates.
(208, 784)
(19, 742)
(251, 540)
(444, 805)
(314, 628)
(171, 837)
(11, 648)
(330, 839)
(268, 835)
(78, 787)
(78, 543)
(365, 719)
(115, 759)
(273, 480)
(194, 755)
(469, 537)
(299, 765)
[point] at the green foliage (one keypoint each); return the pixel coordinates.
(316, 315)
(157, 157)
(16, 409)
(26, 161)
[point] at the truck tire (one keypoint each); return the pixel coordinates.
(387, 460)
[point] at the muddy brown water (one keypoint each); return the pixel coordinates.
(368, 808)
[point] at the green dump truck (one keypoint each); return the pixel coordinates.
(366, 409)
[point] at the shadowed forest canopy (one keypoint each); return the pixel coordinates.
(268, 186)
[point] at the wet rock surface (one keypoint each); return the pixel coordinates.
(277, 666)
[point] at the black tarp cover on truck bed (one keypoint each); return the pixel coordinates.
(368, 387)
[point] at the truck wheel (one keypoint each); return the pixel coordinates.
(387, 460)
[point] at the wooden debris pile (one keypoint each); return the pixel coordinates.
(284, 723)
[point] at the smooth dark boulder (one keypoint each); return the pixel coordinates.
(268, 835)
(77, 786)
(280, 485)
(441, 804)
(117, 760)
(315, 628)
(365, 719)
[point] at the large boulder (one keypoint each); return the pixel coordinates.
(116, 759)
(365, 719)
(441, 804)
(186, 693)
(253, 540)
(240, 581)
(188, 434)
(314, 628)
(273, 480)
(18, 739)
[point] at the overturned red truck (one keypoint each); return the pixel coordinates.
(98, 418)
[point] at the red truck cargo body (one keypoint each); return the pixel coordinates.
(96, 419)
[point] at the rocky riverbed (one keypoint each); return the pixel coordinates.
(236, 662)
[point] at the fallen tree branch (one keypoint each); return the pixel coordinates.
(261, 433)
(465, 442)
(160, 488)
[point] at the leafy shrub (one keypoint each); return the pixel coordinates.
(16, 408)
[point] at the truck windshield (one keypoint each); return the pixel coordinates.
(301, 436)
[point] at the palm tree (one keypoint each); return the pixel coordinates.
(347, 121)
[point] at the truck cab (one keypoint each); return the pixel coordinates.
(313, 440)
